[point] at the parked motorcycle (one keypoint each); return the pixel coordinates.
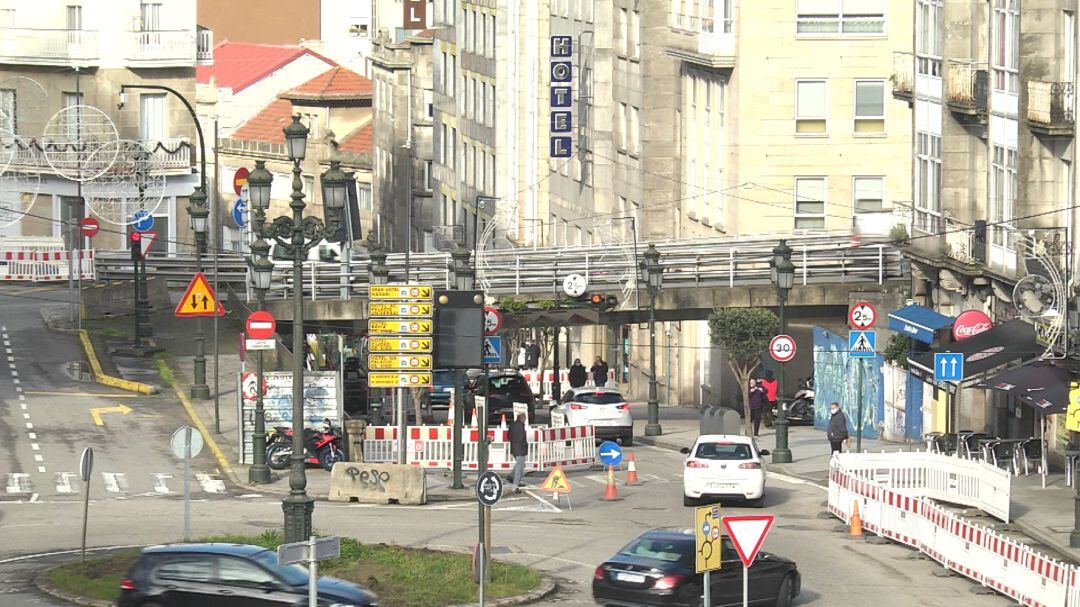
(801, 407)
(321, 447)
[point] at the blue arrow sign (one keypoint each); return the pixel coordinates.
(239, 209)
(862, 344)
(142, 221)
(610, 453)
(948, 366)
(493, 348)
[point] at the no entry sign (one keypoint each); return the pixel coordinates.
(782, 348)
(89, 226)
(261, 325)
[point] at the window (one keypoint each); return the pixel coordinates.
(363, 196)
(811, 103)
(72, 100)
(427, 176)
(235, 572)
(929, 28)
(589, 9)
(869, 106)
(620, 125)
(634, 41)
(8, 112)
(840, 17)
(152, 117)
(195, 568)
(622, 23)
(1068, 43)
(1006, 45)
(150, 16)
(1004, 185)
(451, 84)
(927, 182)
(74, 17)
(809, 203)
(723, 451)
(634, 135)
(429, 103)
(7, 17)
(868, 194)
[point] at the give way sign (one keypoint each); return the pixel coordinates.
(747, 533)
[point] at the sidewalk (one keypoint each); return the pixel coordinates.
(1043, 515)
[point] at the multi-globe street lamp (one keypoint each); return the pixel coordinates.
(782, 272)
(654, 275)
(262, 272)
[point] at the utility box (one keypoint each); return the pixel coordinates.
(459, 329)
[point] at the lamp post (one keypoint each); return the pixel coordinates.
(198, 214)
(783, 276)
(262, 271)
(654, 275)
(464, 279)
(297, 235)
(378, 274)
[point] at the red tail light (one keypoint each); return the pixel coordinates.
(622, 407)
(576, 407)
(693, 463)
(599, 573)
(431, 388)
(127, 584)
(669, 581)
(750, 466)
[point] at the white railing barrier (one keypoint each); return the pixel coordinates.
(45, 266)
(892, 493)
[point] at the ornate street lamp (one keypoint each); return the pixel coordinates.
(654, 276)
(463, 278)
(262, 272)
(783, 276)
(198, 213)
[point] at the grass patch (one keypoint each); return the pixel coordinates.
(403, 577)
(162, 364)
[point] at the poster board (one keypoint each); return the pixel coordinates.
(322, 399)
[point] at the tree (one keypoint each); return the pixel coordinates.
(744, 334)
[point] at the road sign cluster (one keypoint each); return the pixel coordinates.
(400, 325)
(862, 341)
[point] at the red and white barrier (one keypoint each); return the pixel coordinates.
(544, 392)
(898, 506)
(45, 266)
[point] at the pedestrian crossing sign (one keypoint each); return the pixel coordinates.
(862, 344)
(492, 350)
(556, 482)
(199, 299)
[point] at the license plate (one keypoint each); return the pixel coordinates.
(636, 578)
(721, 485)
(605, 422)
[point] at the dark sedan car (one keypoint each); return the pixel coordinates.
(503, 390)
(657, 569)
(189, 575)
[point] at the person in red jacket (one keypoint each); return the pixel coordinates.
(771, 386)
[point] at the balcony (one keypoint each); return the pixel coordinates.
(711, 35)
(60, 47)
(204, 46)
(966, 85)
(903, 76)
(1051, 109)
(162, 48)
(174, 155)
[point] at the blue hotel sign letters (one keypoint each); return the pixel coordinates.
(562, 96)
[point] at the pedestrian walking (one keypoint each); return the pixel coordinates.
(519, 448)
(599, 372)
(838, 434)
(577, 374)
(532, 355)
(521, 358)
(758, 403)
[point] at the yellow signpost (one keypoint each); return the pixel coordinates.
(395, 327)
(399, 310)
(1072, 418)
(409, 345)
(399, 380)
(406, 362)
(707, 527)
(400, 292)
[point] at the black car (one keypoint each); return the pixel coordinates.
(224, 575)
(657, 568)
(503, 389)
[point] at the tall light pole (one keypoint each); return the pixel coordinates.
(198, 214)
(378, 274)
(262, 272)
(297, 235)
(464, 279)
(654, 275)
(783, 276)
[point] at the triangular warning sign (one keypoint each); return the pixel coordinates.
(747, 533)
(199, 299)
(145, 241)
(556, 482)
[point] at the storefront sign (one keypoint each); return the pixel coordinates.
(562, 97)
(970, 324)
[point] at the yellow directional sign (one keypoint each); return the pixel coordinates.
(96, 413)
(406, 362)
(399, 292)
(556, 482)
(411, 345)
(399, 310)
(1072, 419)
(399, 380)
(707, 538)
(395, 327)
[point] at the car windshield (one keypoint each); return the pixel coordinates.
(723, 451)
(508, 383)
(293, 575)
(671, 551)
(599, 398)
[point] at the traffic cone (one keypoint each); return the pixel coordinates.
(450, 415)
(502, 422)
(610, 495)
(856, 520)
(474, 418)
(631, 470)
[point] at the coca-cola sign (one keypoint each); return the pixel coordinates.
(969, 324)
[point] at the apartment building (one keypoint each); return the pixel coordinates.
(55, 56)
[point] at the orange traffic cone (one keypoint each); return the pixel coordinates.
(631, 470)
(856, 521)
(610, 495)
(502, 422)
(450, 415)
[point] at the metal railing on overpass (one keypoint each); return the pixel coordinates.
(687, 264)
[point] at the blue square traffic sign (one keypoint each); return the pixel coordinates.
(862, 344)
(493, 346)
(948, 366)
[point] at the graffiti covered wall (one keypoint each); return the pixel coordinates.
(835, 380)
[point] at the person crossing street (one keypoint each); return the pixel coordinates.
(519, 449)
(837, 432)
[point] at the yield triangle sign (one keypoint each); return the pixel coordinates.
(199, 300)
(747, 534)
(556, 482)
(145, 240)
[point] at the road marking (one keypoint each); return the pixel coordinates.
(248, 496)
(11, 364)
(38, 458)
(35, 446)
(82, 394)
(160, 486)
(26, 416)
(652, 478)
(548, 506)
(18, 482)
(15, 381)
(96, 413)
(115, 482)
(29, 426)
(784, 478)
(63, 482)
(8, 350)
(41, 469)
(22, 406)
(21, 396)
(597, 478)
(210, 484)
(33, 498)
(33, 436)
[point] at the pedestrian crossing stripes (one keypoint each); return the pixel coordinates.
(120, 485)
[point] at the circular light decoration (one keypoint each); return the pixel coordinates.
(19, 185)
(80, 142)
(134, 182)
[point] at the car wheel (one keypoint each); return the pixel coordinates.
(690, 501)
(784, 596)
(627, 439)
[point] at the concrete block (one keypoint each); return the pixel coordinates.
(731, 422)
(378, 483)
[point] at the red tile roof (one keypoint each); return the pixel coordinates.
(360, 140)
(336, 84)
(267, 125)
(238, 65)
(428, 33)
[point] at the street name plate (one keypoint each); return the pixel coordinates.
(399, 310)
(400, 292)
(259, 344)
(300, 552)
(418, 345)
(399, 380)
(405, 362)
(395, 327)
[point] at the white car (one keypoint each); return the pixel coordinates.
(603, 408)
(723, 466)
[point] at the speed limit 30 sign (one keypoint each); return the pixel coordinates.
(862, 315)
(782, 348)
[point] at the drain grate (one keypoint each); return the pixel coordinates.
(78, 370)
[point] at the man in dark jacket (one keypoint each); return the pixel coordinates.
(837, 432)
(577, 374)
(532, 355)
(759, 401)
(599, 372)
(519, 448)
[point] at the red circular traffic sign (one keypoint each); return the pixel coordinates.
(239, 180)
(261, 325)
(782, 348)
(493, 321)
(249, 385)
(862, 315)
(89, 226)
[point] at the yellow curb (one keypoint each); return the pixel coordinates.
(108, 380)
(207, 438)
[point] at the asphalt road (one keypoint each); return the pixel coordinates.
(38, 513)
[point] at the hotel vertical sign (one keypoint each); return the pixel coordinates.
(562, 96)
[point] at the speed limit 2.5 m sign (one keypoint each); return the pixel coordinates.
(782, 348)
(862, 315)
